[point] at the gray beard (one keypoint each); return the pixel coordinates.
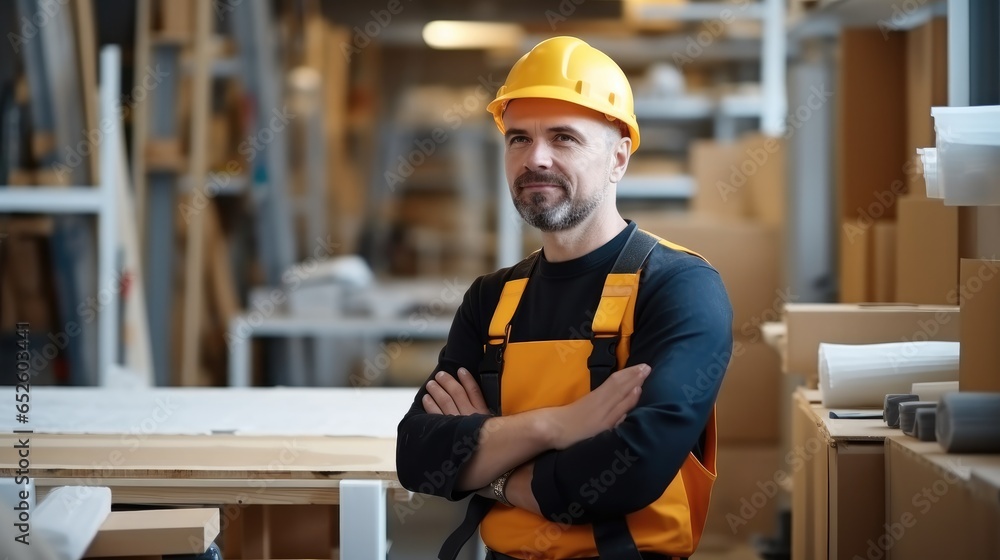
(560, 216)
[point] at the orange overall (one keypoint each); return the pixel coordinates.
(555, 373)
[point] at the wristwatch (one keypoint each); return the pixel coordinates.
(500, 488)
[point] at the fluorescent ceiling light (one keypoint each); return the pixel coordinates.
(442, 34)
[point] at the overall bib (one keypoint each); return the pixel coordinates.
(521, 376)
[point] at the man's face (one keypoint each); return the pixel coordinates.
(560, 159)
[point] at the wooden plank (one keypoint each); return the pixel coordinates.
(176, 17)
(87, 52)
(346, 198)
(194, 255)
(205, 457)
(223, 285)
(140, 115)
(155, 532)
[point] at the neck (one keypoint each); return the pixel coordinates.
(593, 232)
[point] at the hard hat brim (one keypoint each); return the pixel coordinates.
(498, 105)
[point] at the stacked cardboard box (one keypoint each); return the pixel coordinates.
(736, 222)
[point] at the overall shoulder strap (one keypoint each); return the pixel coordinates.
(618, 290)
(491, 367)
(490, 372)
(612, 536)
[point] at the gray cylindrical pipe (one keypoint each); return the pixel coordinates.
(890, 412)
(969, 422)
(926, 421)
(908, 415)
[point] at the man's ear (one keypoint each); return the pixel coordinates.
(621, 152)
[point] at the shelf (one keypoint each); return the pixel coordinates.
(54, 200)
(700, 11)
(696, 107)
(744, 106)
(656, 186)
(688, 107)
(887, 15)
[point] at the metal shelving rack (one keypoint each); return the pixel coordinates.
(99, 201)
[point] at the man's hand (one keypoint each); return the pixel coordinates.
(445, 395)
(600, 410)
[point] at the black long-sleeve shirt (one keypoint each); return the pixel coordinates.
(682, 329)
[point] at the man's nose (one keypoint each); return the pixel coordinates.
(539, 156)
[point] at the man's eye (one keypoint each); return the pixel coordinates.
(518, 139)
(564, 138)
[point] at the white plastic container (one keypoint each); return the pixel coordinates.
(968, 154)
(929, 164)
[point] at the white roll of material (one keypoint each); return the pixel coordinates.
(861, 375)
(969, 422)
(933, 391)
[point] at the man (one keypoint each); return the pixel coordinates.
(600, 438)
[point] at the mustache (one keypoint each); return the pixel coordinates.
(540, 177)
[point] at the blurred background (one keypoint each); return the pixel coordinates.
(301, 191)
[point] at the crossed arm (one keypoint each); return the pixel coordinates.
(512, 442)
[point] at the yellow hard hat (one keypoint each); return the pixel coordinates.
(568, 69)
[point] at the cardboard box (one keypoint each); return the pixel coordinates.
(768, 183)
(979, 296)
(979, 232)
(749, 405)
(932, 506)
(721, 189)
(808, 324)
(927, 86)
(856, 266)
(741, 180)
(746, 495)
(884, 265)
(746, 254)
(838, 495)
(871, 122)
(926, 251)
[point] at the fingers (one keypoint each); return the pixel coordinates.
(442, 397)
(430, 407)
(456, 391)
(473, 391)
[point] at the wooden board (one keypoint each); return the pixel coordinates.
(153, 532)
(87, 50)
(215, 457)
(194, 265)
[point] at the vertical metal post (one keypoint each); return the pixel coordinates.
(958, 53)
(108, 218)
(772, 71)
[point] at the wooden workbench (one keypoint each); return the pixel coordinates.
(230, 447)
(838, 496)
